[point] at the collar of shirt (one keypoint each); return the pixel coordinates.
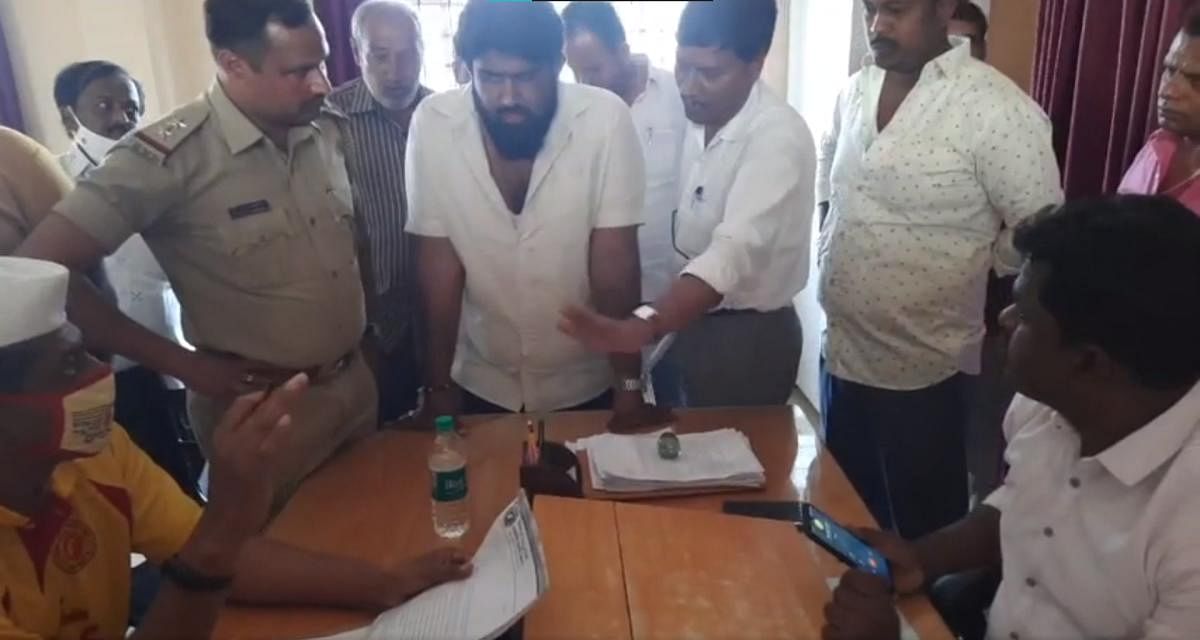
(1142, 452)
(240, 132)
(62, 484)
(947, 64)
(356, 99)
(737, 125)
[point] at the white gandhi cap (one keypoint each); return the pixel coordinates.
(33, 298)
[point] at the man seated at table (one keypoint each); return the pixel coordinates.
(77, 497)
(1097, 526)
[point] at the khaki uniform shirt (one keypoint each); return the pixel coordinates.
(31, 182)
(258, 242)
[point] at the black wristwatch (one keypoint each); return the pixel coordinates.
(189, 579)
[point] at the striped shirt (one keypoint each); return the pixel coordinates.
(375, 161)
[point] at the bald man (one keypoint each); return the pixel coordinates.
(386, 38)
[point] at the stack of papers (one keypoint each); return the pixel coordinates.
(631, 464)
(509, 577)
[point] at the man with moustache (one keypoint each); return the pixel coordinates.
(742, 226)
(243, 197)
(388, 47)
(932, 160)
(100, 103)
(526, 195)
(1169, 164)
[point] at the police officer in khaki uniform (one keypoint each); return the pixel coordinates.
(242, 195)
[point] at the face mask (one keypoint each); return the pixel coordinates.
(81, 418)
(89, 148)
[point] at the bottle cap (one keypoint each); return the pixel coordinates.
(444, 424)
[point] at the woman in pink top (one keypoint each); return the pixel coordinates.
(1169, 164)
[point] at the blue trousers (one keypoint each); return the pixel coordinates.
(903, 451)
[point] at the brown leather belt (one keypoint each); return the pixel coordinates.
(273, 377)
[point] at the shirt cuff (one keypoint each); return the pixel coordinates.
(715, 269)
(97, 217)
(425, 228)
(619, 218)
(999, 499)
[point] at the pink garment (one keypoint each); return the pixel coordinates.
(1149, 169)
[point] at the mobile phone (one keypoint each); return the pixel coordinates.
(788, 511)
(844, 545)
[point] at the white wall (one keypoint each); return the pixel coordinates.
(825, 38)
(161, 42)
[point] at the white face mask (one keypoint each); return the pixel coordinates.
(82, 417)
(88, 148)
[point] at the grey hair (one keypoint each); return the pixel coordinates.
(392, 8)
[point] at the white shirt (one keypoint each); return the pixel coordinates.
(521, 270)
(744, 222)
(661, 124)
(143, 291)
(1105, 546)
(918, 215)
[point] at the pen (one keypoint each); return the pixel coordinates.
(532, 448)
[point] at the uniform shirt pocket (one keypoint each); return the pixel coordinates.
(256, 236)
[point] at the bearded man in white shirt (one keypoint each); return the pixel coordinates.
(933, 158)
(526, 195)
(1097, 526)
(742, 229)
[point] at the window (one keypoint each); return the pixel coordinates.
(649, 27)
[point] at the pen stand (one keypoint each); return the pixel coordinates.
(552, 475)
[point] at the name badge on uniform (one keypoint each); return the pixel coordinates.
(249, 209)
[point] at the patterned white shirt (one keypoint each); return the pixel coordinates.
(1106, 546)
(918, 214)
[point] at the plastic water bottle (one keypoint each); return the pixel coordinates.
(448, 471)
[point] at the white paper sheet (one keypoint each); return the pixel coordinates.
(509, 577)
(630, 463)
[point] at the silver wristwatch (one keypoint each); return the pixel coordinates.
(629, 384)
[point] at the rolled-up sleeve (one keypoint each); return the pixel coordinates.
(1017, 167)
(622, 188)
(121, 197)
(420, 178)
(773, 184)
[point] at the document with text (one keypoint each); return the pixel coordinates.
(509, 577)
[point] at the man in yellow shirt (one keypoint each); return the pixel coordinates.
(76, 498)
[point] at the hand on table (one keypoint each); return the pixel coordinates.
(908, 576)
(603, 334)
(424, 572)
(632, 413)
(862, 609)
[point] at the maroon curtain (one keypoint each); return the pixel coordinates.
(1096, 74)
(335, 15)
(10, 103)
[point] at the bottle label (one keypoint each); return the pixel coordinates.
(450, 486)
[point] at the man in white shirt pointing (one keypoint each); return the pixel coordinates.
(932, 160)
(742, 227)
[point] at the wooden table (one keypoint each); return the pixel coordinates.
(373, 503)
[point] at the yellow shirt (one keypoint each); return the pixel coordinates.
(65, 574)
(31, 183)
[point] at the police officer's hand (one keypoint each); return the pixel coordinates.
(862, 609)
(245, 447)
(221, 376)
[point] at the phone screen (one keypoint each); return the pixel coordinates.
(844, 544)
